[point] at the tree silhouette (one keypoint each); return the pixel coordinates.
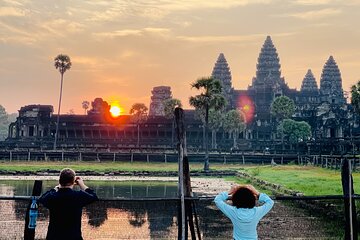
(62, 63)
(85, 105)
(210, 98)
(234, 123)
(216, 120)
(139, 114)
(169, 108)
(282, 108)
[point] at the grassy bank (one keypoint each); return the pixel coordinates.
(33, 166)
(306, 179)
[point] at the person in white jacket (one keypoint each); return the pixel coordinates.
(243, 212)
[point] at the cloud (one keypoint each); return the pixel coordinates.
(119, 33)
(229, 38)
(133, 32)
(62, 27)
(11, 12)
(157, 9)
(316, 14)
(312, 2)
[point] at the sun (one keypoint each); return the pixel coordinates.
(115, 111)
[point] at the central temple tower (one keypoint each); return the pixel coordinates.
(268, 82)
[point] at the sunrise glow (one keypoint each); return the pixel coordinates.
(115, 111)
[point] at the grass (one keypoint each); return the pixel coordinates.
(34, 166)
(306, 179)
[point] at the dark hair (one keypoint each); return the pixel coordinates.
(243, 198)
(67, 177)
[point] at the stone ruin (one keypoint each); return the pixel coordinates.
(159, 94)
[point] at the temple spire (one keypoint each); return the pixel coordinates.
(331, 82)
(221, 72)
(268, 66)
(309, 83)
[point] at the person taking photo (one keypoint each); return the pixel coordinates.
(65, 205)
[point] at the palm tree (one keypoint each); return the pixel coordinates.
(216, 119)
(234, 123)
(139, 113)
(62, 63)
(169, 108)
(210, 98)
(85, 106)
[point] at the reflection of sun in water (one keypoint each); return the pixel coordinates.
(115, 111)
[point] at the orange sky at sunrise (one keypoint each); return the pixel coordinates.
(121, 49)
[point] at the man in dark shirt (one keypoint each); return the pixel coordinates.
(65, 205)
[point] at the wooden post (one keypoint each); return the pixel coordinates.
(62, 155)
(10, 157)
(184, 186)
(147, 158)
(165, 158)
(80, 156)
(351, 231)
(181, 191)
(224, 159)
(243, 159)
(114, 158)
(326, 162)
(282, 159)
(29, 155)
(29, 234)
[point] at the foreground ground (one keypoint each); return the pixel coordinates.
(285, 221)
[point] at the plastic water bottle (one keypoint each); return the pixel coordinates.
(33, 213)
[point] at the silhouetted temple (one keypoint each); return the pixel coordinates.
(325, 109)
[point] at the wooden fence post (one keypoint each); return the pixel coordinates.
(351, 231)
(184, 185)
(29, 234)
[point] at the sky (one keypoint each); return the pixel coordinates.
(121, 49)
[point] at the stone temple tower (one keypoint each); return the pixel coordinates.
(221, 72)
(268, 82)
(159, 94)
(309, 83)
(268, 66)
(331, 83)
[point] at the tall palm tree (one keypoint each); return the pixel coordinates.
(139, 113)
(85, 105)
(169, 108)
(210, 98)
(62, 63)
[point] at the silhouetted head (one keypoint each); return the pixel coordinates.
(243, 198)
(67, 177)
